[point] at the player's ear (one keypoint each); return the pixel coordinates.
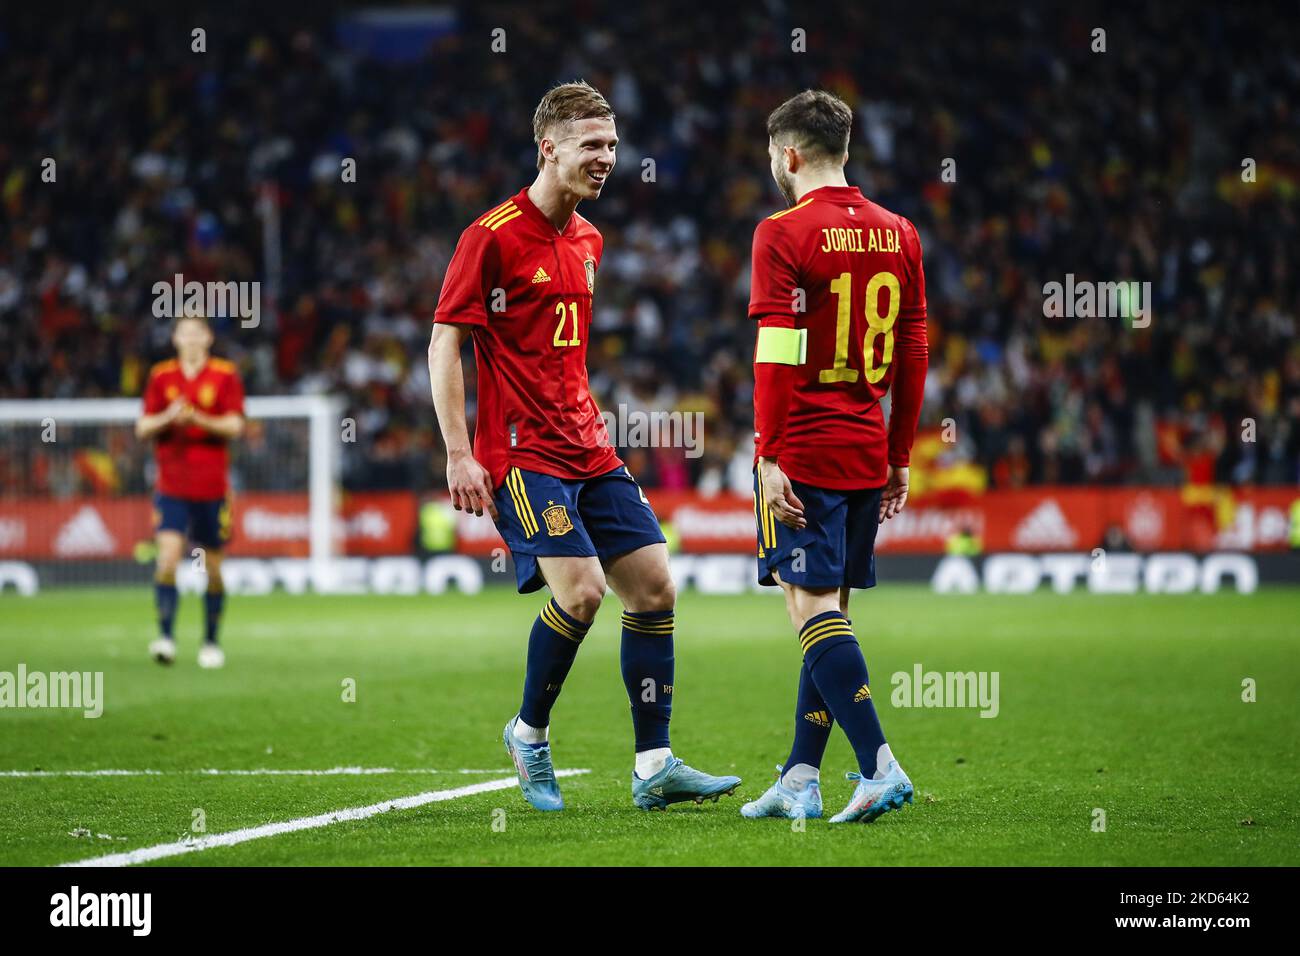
(792, 158)
(545, 151)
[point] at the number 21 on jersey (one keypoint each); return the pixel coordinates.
(877, 325)
(566, 311)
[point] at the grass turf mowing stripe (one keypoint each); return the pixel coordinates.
(163, 850)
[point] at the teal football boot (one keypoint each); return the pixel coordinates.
(782, 801)
(871, 798)
(536, 773)
(677, 783)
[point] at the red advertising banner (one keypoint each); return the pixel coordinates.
(389, 523)
(278, 525)
(265, 525)
(1037, 520)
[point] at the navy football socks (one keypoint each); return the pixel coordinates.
(214, 602)
(812, 724)
(647, 663)
(834, 659)
(166, 598)
(552, 646)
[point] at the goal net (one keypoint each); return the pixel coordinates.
(76, 490)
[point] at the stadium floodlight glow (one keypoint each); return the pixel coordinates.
(28, 423)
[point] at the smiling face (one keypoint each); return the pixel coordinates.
(582, 155)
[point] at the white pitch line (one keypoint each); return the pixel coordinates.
(163, 850)
(331, 772)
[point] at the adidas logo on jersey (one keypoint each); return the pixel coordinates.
(864, 693)
(540, 276)
(818, 717)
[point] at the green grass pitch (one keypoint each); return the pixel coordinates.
(1130, 704)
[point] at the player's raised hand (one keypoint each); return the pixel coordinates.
(895, 494)
(470, 485)
(780, 498)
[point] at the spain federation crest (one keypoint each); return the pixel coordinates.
(557, 520)
(207, 394)
(590, 266)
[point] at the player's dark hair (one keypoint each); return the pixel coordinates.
(564, 104)
(815, 122)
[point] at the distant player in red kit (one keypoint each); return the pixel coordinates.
(521, 284)
(193, 408)
(839, 294)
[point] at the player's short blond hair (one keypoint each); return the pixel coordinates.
(564, 104)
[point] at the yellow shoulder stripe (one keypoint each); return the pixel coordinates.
(502, 220)
(786, 212)
(498, 216)
(496, 209)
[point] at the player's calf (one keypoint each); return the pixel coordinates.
(166, 597)
(214, 604)
(647, 663)
(552, 647)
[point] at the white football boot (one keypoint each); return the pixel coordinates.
(211, 656)
(163, 650)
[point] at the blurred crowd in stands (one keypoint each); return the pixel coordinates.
(1173, 157)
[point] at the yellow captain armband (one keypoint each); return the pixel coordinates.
(778, 346)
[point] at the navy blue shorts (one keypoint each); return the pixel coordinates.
(206, 523)
(541, 516)
(837, 547)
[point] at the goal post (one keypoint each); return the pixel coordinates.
(76, 485)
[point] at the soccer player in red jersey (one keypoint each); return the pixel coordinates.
(521, 284)
(193, 409)
(839, 294)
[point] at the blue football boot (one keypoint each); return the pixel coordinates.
(536, 773)
(677, 783)
(781, 801)
(871, 798)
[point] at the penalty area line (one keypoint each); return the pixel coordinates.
(234, 837)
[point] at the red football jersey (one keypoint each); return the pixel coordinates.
(193, 463)
(849, 272)
(527, 289)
